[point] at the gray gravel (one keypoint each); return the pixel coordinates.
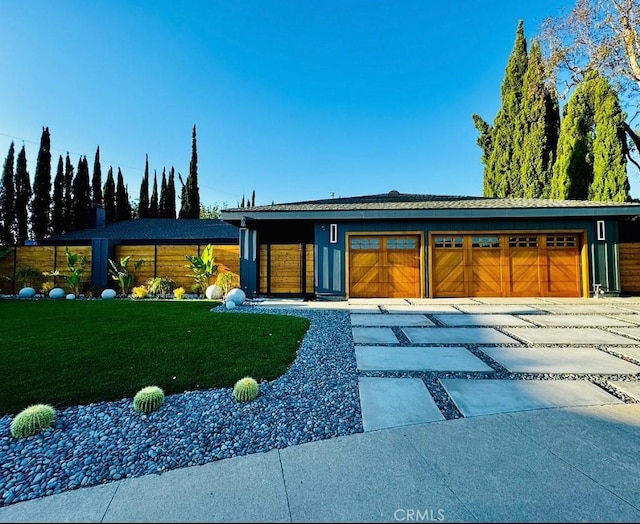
(317, 398)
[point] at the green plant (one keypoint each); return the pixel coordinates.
(148, 399)
(119, 272)
(32, 420)
(139, 292)
(26, 274)
(178, 294)
(75, 267)
(227, 280)
(202, 267)
(246, 389)
(161, 286)
(46, 287)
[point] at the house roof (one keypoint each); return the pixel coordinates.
(154, 229)
(407, 205)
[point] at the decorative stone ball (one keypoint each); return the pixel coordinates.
(231, 305)
(57, 292)
(213, 292)
(108, 294)
(27, 292)
(236, 296)
(71, 296)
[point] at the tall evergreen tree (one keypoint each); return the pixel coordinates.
(573, 168)
(171, 194)
(506, 155)
(485, 142)
(153, 204)
(68, 195)
(610, 182)
(96, 179)
(143, 201)
(191, 204)
(253, 198)
(7, 199)
(81, 206)
(57, 209)
(23, 195)
(41, 202)
(541, 125)
(162, 206)
(123, 209)
(110, 197)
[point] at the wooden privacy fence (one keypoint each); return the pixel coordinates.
(159, 261)
(286, 268)
(169, 261)
(41, 258)
(630, 267)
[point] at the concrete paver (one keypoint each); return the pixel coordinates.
(381, 358)
(630, 318)
(559, 360)
(632, 352)
(454, 335)
(508, 309)
(580, 308)
(373, 335)
(557, 335)
(633, 331)
(482, 320)
(390, 402)
(424, 309)
(390, 320)
(485, 397)
(580, 320)
(630, 388)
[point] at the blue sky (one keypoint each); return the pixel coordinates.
(296, 100)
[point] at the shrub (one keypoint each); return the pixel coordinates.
(178, 294)
(161, 286)
(148, 399)
(26, 274)
(32, 420)
(227, 280)
(246, 389)
(46, 287)
(139, 292)
(75, 267)
(202, 267)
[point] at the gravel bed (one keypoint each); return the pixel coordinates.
(317, 398)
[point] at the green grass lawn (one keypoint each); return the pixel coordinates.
(66, 353)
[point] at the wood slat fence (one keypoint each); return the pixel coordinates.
(630, 267)
(286, 269)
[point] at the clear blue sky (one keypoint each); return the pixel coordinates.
(295, 99)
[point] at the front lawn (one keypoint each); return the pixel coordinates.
(76, 352)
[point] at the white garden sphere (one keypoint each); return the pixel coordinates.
(237, 296)
(213, 292)
(230, 305)
(71, 296)
(57, 292)
(108, 294)
(27, 292)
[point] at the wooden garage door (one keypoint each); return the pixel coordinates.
(384, 266)
(510, 265)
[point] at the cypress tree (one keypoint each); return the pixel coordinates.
(143, 202)
(504, 165)
(610, 182)
(23, 195)
(96, 180)
(162, 206)
(81, 206)
(171, 194)
(41, 202)
(110, 198)
(253, 198)
(153, 205)
(191, 193)
(123, 211)
(57, 211)
(540, 124)
(68, 197)
(7, 199)
(485, 141)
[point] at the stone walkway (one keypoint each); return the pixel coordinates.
(487, 356)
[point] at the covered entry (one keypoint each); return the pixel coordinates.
(506, 265)
(383, 266)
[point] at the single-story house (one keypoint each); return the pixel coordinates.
(416, 246)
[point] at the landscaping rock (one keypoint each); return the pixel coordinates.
(108, 294)
(27, 292)
(71, 296)
(213, 292)
(236, 296)
(56, 293)
(231, 304)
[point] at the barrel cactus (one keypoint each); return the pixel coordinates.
(246, 389)
(148, 399)
(32, 420)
